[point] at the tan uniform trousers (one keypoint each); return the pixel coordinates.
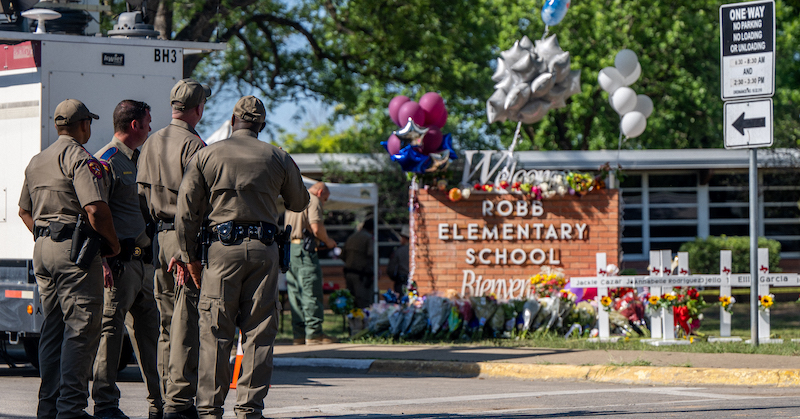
(240, 288)
(178, 342)
(72, 300)
(129, 302)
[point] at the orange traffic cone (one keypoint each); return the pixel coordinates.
(237, 367)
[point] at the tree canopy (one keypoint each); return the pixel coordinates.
(356, 55)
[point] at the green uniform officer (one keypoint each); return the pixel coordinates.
(62, 183)
(304, 278)
(237, 182)
(132, 293)
(165, 156)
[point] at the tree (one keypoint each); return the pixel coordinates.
(358, 54)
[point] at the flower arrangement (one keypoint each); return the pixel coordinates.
(567, 296)
(548, 281)
(726, 302)
(766, 301)
(687, 307)
(341, 302)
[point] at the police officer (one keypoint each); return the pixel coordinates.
(237, 183)
(132, 293)
(358, 264)
(165, 156)
(62, 184)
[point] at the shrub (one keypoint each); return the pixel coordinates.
(704, 253)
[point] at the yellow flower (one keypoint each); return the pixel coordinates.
(725, 300)
(671, 296)
(605, 301)
(766, 301)
(653, 299)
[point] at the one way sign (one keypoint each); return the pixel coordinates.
(748, 124)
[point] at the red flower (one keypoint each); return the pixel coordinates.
(478, 187)
(682, 318)
(692, 293)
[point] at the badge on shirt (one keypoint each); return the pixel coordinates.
(96, 168)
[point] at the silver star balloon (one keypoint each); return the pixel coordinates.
(531, 78)
(439, 161)
(411, 133)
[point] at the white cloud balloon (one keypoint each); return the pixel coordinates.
(633, 77)
(610, 79)
(625, 62)
(644, 105)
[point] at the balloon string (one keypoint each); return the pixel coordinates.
(546, 31)
(412, 204)
(619, 146)
(505, 172)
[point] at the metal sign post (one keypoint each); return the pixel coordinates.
(747, 53)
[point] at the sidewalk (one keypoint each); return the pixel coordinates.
(667, 368)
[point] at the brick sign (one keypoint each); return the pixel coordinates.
(494, 243)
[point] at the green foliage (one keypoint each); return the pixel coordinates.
(704, 253)
(356, 55)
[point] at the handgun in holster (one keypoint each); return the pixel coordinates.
(86, 244)
(204, 242)
(284, 240)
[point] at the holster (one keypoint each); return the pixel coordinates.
(285, 248)
(309, 241)
(86, 244)
(204, 242)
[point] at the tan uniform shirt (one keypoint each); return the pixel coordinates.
(60, 181)
(238, 179)
(304, 219)
(124, 194)
(164, 158)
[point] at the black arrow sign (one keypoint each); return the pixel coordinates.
(741, 124)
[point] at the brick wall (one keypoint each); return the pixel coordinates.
(441, 264)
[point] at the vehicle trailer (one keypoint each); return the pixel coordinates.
(39, 70)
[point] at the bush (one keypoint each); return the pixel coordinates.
(704, 253)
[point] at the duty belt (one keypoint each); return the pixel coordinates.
(231, 232)
(165, 225)
(56, 231)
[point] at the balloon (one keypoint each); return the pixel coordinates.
(433, 105)
(438, 122)
(411, 110)
(534, 111)
(518, 97)
(542, 84)
(643, 105)
(525, 43)
(411, 160)
(412, 133)
(394, 108)
(577, 291)
(633, 124)
(432, 141)
(500, 73)
(513, 55)
(625, 62)
(559, 65)
(495, 113)
(554, 10)
(634, 76)
(393, 144)
(623, 100)
(610, 79)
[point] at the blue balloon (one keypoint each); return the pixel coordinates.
(411, 160)
(554, 10)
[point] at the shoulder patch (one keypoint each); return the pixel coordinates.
(110, 152)
(95, 167)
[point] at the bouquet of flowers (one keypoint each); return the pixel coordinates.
(379, 318)
(484, 308)
(438, 308)
(727, 302)
(580, 183)
(356, 319)
(418, 324)
(341, 302)
(686, 309)
(607, 303)
(549, 281)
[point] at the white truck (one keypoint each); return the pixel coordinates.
(39, 70)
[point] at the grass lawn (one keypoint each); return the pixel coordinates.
(785, 323)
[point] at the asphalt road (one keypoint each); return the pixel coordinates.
(324, 392)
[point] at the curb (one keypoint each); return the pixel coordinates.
(595, 373)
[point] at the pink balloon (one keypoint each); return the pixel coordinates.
(433, 104)
(394, 144)
(432, 141)
(394, 108)
(411, 110)
(439, 122)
